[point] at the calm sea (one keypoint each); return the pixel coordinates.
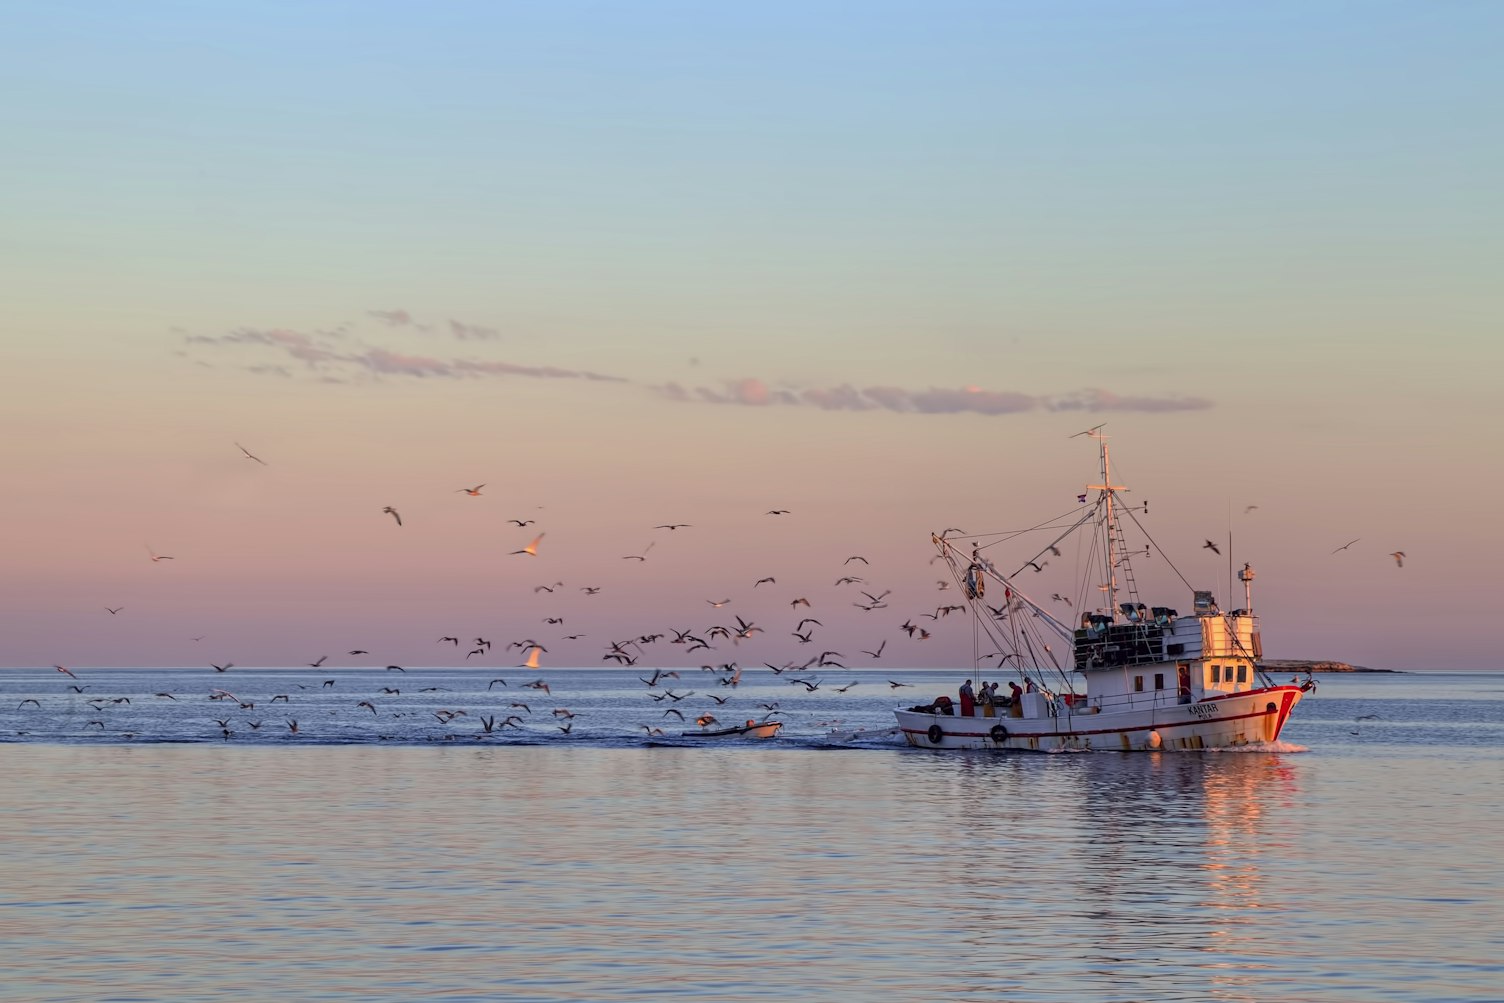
(400, 852)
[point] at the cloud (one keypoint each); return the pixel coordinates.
(396, 318)
(330, 356)
(472, 332)
(753, 392)
(1106, 400)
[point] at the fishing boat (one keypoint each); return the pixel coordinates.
(1121, 675)
(752, 729)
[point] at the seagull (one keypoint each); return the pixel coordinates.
(1349, 543)
(359, 651)
(1249, 508)
(472, 492)
(65, 672)
(777, 511)
(718, 605)
(314, 665)
(393, 513)
(855, 557)
(454, 640)
(249, 455)
(225, 667)
(1209, 545)
(1399, 557)
(897, 685)
(112, 612)
(532, 548)
(521, 522)
(673, 525)
(879, 652)
(761, 580)
(156, 556)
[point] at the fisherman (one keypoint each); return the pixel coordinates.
(968, 699)
(984, 697)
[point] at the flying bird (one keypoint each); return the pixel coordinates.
(673, 525)
(393, 513)
(761, 580)
(65, 672)
(718, 605)
(156, 556)
(532, 548)
(522, 522)
(112, 612)
(1209, 545)
(778, 511)
(472, 492)
(322, 659)
(1349, 543)
(1399, 558)
(250, 455)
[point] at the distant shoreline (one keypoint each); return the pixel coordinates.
(1307, 665)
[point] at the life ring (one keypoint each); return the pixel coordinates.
(999, 734)
(936, 733)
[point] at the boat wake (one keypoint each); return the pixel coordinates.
(1275, 746)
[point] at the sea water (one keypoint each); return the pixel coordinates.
(399, 852)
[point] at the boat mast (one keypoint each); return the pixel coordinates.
(1108, 489)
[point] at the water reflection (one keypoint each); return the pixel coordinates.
(559, 872)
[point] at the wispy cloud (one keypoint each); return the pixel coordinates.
(338, 356)
(472, 332)
(934, 400)
(396, 318)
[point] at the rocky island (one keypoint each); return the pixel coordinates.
(1278, 665)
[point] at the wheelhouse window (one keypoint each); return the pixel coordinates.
(1159, 680)
(1138, 684)
(1227, 674)
(1242, 673)
(1213, 674)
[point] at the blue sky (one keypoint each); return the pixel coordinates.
(1287, 212)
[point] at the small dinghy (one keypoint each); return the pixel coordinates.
(752, 729)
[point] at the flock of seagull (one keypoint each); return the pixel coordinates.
(627, 652)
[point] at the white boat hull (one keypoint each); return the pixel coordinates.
(1225, 721)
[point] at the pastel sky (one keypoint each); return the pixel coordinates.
(633, 264)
